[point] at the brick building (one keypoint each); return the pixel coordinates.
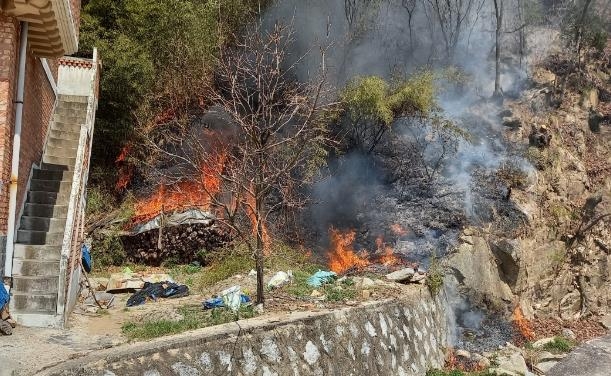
(47, 103)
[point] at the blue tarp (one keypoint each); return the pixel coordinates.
(218, 302)
(4, 297)
(320, 278)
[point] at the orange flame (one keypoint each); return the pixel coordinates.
(250, 201)
(183, 195)
(522, 324)
(388, 257)
(342, 256)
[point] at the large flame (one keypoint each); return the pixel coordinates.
(387, 253)
(342, 256)
(183, 195)
(522, 324)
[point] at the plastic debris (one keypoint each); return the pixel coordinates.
(4, 296)
(154, 291)
(86, 258)
(279, 279)
(321, 277)
(231, 298)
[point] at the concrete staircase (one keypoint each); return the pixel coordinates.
(38, 246)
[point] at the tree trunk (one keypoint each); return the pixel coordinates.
(579, 30)
(498, 11)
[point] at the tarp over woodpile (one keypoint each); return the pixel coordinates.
(191, 216)
(181, 237)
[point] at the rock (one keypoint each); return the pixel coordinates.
(606, 321)
(542, 342)
(594, 120)
(482, 361)
(568, 333)
(540, 137)
(545, 366)
(508, 252)
(259, 309)
(418, 277)
(512, 122)
(548, 356)
(367, 282)
(589, 359)
(463, 354)
(512, 364)
(5, 328)
(590, 98)
(478, 267)
(401, 275)
(252, 273)
(505, 113)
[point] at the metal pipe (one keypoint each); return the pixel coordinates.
(12, 203)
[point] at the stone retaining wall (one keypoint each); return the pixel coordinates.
(395, 337)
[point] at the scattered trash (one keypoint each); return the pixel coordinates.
(86, 258)
(407, 275)
(279, 279)
(4, 296)
(320, 278)
(127, 270)
(157, 290)
(128, 281)
(105, 300)
(6, 322)
(252, 273)
(231, 298)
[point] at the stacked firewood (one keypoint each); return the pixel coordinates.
(179, 244)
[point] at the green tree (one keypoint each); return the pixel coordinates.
(583, 28)
(371, 105)
(156, 57)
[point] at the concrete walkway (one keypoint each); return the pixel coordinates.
(591, 359)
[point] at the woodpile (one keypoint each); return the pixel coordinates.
(179, 244)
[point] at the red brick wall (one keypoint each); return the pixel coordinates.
(37, 107)
(38, 104)
(9, 45)
(75, 7)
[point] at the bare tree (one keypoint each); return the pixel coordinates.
(453, 17)
(498, 13)
(410, 7)
(275, 127)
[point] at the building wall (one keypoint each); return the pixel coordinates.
(38, 104)
(9, 45)
(37, 108)
(75, 7)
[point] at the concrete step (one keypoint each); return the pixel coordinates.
(38, 252)
(45, 210)
(70, 110)
(34, 303)
(62, 143)
(56, 167)
(63, 135)
(50, 185)
(67, 127)
(48, 198)
(39, 237)
(62, 98)
(62, 161)
(44, 285)
(35, 268)
(51, 174)
(42, 224)
(61, 152)
(71, 105)
(68, 119)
